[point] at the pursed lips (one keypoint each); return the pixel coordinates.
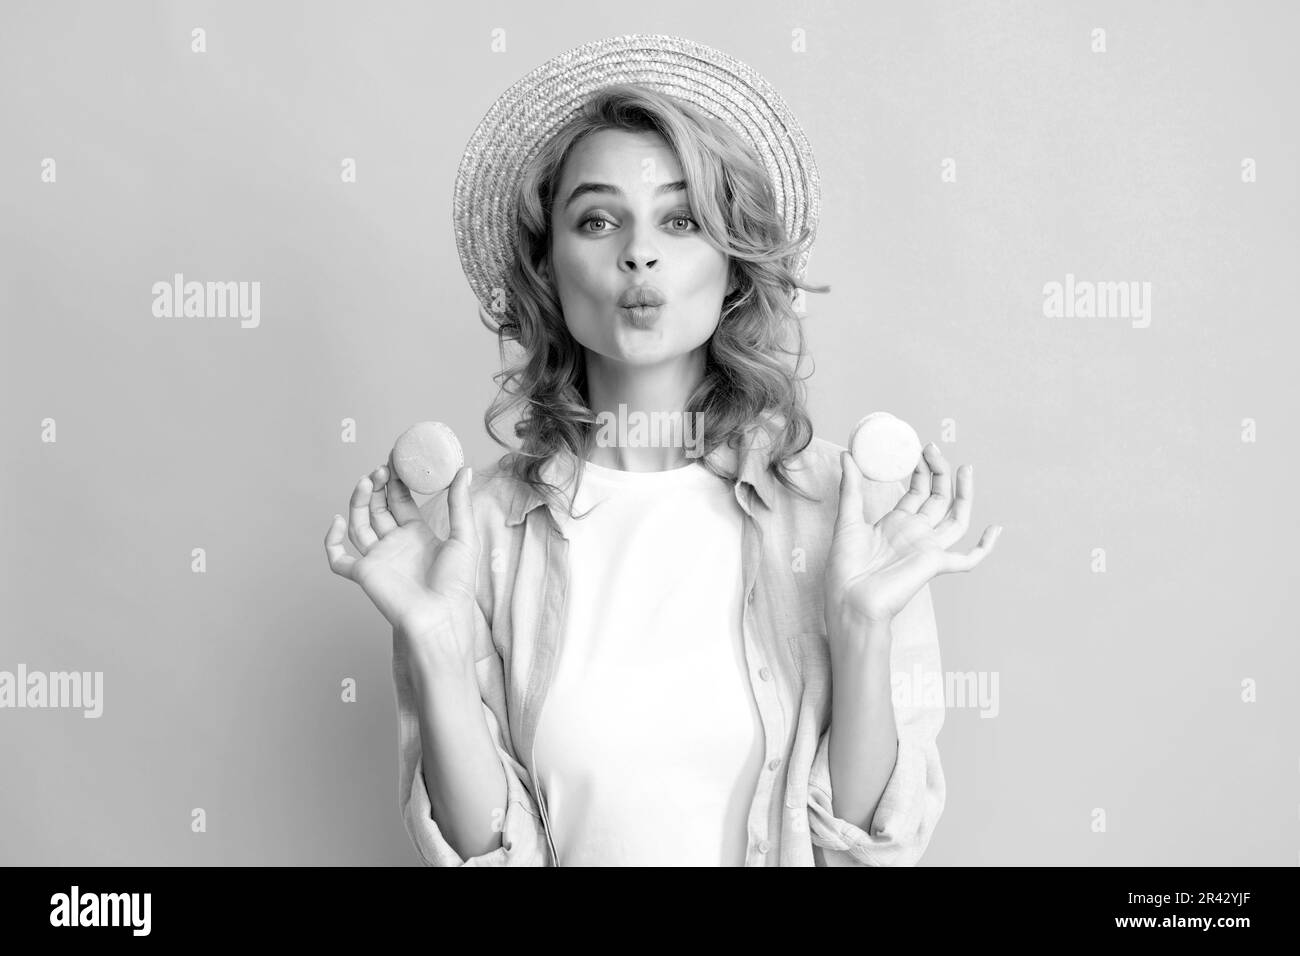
(641, 296)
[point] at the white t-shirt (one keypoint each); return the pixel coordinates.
(650, 743)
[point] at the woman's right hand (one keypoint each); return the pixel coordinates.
(423, 586)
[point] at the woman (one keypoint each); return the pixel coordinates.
(616, 650)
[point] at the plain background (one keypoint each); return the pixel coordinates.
(1119, 690)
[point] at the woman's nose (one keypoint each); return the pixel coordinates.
(641, 251)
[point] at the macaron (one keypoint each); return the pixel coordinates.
(427, 456)
(885, 448)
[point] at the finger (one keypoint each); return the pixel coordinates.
(952, 528)
(971, 559)
(940, 500)
(380, 517)
(340, 561)
(360, 533)
(461, 514)
(400, 502)
(851, 479)
(919, 491)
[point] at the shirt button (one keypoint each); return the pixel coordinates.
(764, 673)
(764, 846)
(773, 764)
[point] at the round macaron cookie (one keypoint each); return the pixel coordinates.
(885, 448)
(427, 456)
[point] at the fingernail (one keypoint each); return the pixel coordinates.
(471, 473)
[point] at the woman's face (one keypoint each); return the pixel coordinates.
(633, 229)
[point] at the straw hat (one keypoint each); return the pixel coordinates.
(541, 103)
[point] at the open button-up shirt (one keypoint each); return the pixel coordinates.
(521, 587)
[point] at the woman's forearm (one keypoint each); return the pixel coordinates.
(462, 769)
(863, 736)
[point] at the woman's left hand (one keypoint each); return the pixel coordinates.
(874, 570)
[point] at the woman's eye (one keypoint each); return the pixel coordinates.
(585, 224)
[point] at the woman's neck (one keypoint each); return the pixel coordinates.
(641, 422)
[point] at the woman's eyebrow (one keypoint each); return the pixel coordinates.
(678, 185)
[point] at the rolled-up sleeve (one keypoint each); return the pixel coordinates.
(523, 839)
(913, 798)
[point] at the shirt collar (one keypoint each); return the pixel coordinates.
(749, 465)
